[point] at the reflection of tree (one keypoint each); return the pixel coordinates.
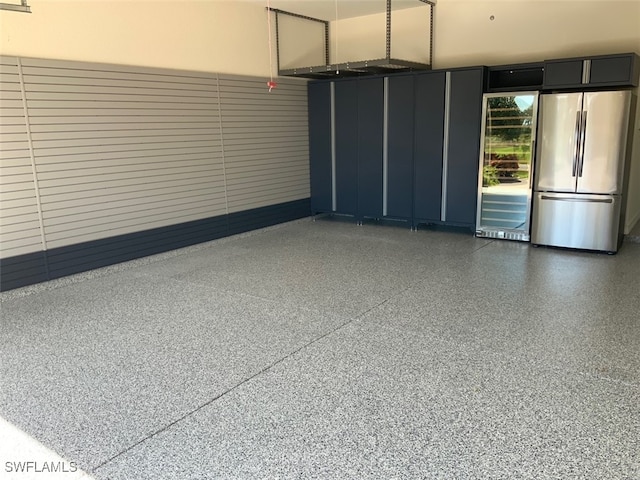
(505, 113)
(509, 135)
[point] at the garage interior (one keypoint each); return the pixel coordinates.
(171, 309)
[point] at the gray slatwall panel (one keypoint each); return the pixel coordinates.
(96, 122)
(145, 128)
(118, 226)
(20, 187)
(14, 231)
(133, 191)
(121, 149)
(19, 222)
(265, 197)
(125, 208)
(178, 147)
(121, 164)
(86, 92)
(120, 137)
(99, 110)
(265, 140)
(265, 153)
(25, 218)
(150, 86)
(81, 177)
(159, 154)
(93, 203)
(30, 243)
(111, 185)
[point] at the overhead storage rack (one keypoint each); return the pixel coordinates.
(357, 67)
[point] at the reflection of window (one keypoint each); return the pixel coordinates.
(16, 6)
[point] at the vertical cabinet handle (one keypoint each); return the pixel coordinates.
(586, 72)
(445, 146)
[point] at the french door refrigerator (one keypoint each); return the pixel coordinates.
(580, 165)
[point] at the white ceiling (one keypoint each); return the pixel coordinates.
(326, 9)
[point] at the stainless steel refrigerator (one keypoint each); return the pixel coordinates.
(580, 165)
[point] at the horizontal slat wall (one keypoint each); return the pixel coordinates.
(122, 149)
(133, 161)
(19, 220)
(266, 142)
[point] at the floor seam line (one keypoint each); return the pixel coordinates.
(277, 301)
(209, 402)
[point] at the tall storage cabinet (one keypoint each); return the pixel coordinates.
(370, 123)
(429, 101)
(346, 147)
(402, 147)
(447, 131)
(345, 106)
(462, 134)
(320, 147)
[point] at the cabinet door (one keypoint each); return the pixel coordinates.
(400, 126)
(614, 70)
(429, 131)
(319, 97)
(370, 142)
(346, 140)
(602, 71)
(563, 73)
(465, 121)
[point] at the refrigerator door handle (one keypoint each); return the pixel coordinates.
(574, 199)
(576, 146)
(583, 129)
(533, 152)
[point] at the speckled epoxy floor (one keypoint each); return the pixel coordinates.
(326, 350)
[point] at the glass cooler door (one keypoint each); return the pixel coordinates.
(506, 165)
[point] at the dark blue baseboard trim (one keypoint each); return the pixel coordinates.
(23, 270)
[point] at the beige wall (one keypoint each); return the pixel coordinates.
(364, 38)
(525, 31)
(211, 36)
(231, 37)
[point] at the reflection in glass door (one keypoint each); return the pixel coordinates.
(506, 165)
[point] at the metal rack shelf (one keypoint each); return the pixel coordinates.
(354, 69)
(359, 67)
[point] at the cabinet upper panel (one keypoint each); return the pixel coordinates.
(602, 71)
(564, 73)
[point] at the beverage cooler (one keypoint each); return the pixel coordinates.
(506, 165)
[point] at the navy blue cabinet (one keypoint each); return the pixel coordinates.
(429, 140)
(346, 144)
(447, 131)
(462, 155)
(320, 164)
(400, 147)
(350, 183)
(621, 70)
(370, 134)
(405, 147)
